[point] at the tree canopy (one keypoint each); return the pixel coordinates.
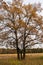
(20, 25)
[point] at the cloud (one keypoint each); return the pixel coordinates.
(8, 0)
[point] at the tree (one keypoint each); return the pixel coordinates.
(23, 24)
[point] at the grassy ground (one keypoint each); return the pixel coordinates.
(31, 59)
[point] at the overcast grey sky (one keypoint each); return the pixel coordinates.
(30, 1)
(33, 1)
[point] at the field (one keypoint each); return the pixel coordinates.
(31, 59)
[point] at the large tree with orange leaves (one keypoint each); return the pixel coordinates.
(21, 26)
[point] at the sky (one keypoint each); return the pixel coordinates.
(30, 1)
(33, 1)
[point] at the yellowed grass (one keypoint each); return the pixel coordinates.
(31, 59)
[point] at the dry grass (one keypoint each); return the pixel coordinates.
(31, 59)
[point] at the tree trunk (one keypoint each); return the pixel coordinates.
(24, 53)
(24, 43)
(18, 55)
(21, 55)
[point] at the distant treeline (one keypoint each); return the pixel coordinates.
(13, 51)
(38, 50)
(7, 51)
